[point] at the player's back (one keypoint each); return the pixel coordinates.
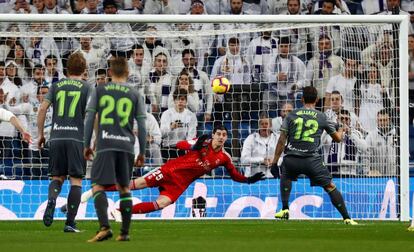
(69, 98)
(117, 106)
(304, 128)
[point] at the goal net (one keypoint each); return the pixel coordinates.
(357, 64)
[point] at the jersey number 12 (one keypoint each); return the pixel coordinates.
(311, 126)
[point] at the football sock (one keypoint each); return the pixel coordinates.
(125, 206)
(338, 202)
(285, 188)
(145, 207)
(101, 207)
(73, 204)
(54, 189)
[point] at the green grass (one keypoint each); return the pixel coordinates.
(213, 235)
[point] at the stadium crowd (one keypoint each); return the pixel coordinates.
(354, 69)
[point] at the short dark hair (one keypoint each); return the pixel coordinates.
(310, 94)
(330, 1)
(383, 111)
(100, 71)
(234, 40)
(344, 112)
(180, 93)
(284, 40)
(186, 51)
(137, 46)
(76, 64)
(2, 64)
(40, 88)
(220, 127)
(337, 93)
(119, 67)
(50, 56)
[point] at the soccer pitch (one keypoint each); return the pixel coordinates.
(213, 235)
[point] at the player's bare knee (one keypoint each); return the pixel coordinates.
(61, 179)
(75, 181)
(163, 202)
(123, 189)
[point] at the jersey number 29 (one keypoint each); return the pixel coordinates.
(123, 108)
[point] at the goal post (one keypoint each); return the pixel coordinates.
(219, 195)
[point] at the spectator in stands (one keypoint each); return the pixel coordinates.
(380, 54)
(256, 7)
(22, 7)
(11, 72)
(259, 149)
(37, 48)
(159, 7)
(322, 67)
(184, 81)
(236, 8)
(139, 73)
(233, 66)
(94, 56)
(150, 44)
(216, 7)
(153, 140)
(39, 5)
(37, 80)
(201, 83)
(277, 122)
(101, 76)
(6, 44)
(160, 83)
(287, 75)
(91, 7)
(261, 53)
(382, 143)
(177, 124)
(336, 105)
(24, 65)
(343, 158)
(371, 100)
(277, 7)
(8, 92)
(119, 46)
(371, 7)
(343, 83)
(330, 7)
(53, 8)
(52, 73)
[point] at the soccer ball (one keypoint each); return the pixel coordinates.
(220, 85)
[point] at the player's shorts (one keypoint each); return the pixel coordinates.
(312, 167)
(66, 158)
(166, 183)
(112, 167)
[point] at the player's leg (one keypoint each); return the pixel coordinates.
(73, 205)
(58, 170)
(77, 170)
(55, 187)
(103, 173)
(288, 173)
(123, 171)
(147, 207)
(338, 202)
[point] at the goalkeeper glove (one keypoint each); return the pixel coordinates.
(256, 177)
(274, 170)
(199, 144)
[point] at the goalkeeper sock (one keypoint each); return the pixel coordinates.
(145, 207)
(338, 202)
(54, 189)
(73, 204)
(125, 206)
(101, 207)
(285, 188)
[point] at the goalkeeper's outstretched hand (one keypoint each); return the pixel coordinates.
(199, 144)
(256, 177)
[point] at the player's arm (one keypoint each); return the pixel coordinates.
(89, 124)
(8, 116)
(142, 129)
(41, 117)
(238, 177)
(335, 131)
(280, 147)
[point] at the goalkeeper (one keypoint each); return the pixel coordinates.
(173, 178)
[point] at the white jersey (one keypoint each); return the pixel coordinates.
(187, 131)
(345, 87)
